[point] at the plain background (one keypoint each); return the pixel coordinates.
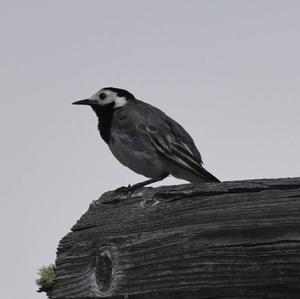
(228, 71)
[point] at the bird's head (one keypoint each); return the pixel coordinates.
(108, 98)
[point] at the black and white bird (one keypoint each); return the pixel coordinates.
(145, 139)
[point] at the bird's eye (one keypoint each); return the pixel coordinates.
(102, 96)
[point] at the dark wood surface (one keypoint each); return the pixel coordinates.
(237, 239)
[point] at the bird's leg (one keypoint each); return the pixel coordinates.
(147, 182)
(134, 187)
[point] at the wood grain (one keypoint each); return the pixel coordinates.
(237, 239)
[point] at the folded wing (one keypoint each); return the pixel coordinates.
(186, 156)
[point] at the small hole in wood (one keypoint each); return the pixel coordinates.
(104, 268)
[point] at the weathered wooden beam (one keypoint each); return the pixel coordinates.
(236, 239)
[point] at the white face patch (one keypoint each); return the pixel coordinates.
(104, 97)
(120, 101)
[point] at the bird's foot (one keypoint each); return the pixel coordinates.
(124, 189)
(127, 190)
(124, 192)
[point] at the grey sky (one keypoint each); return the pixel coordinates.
(228, 71)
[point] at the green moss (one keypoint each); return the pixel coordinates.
(46, 277)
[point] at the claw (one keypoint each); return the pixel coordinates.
(124, 189)
(127, 191)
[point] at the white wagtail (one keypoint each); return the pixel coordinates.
(145, 139)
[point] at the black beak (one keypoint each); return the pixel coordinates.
(82, 102)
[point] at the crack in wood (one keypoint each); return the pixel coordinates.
(261, 244)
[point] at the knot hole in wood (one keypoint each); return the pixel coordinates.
(104, 268)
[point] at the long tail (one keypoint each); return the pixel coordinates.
(207, 176)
